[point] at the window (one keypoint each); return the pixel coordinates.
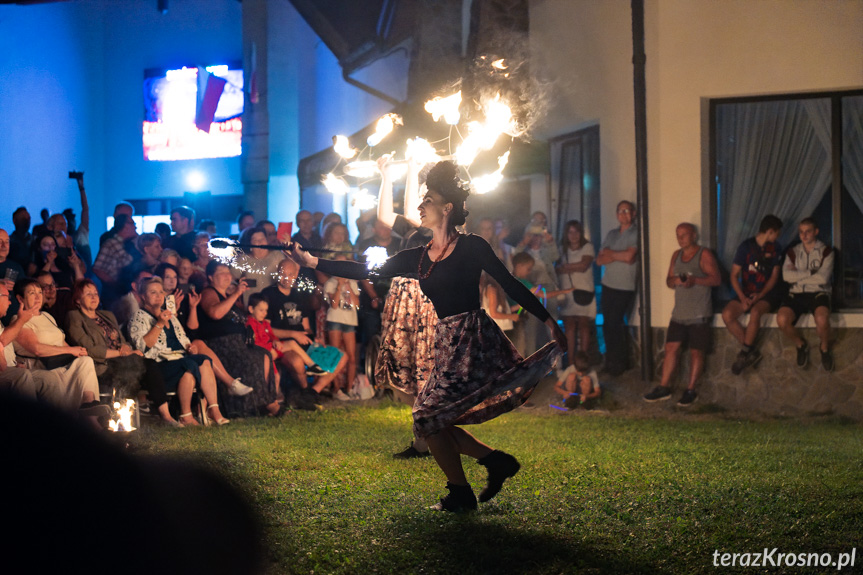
(793, 156)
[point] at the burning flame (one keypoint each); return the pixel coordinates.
(375, 257)
(498, 64)
(483, 135)
(485, 184)
(364, 200)
(446, 107)
(384, 126)
(421, 151)
(124, 415)
(343, 147)
(225, 254)
(361, 169)
(336, 186)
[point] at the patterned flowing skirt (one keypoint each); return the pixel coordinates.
(247, 363)
(478, 374)
(408, 324)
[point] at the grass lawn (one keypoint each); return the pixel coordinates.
(596, 493)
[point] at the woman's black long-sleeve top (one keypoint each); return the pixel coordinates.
(453, 286)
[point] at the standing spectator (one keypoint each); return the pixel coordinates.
(344, 298)
(207, 226)
(269, 230)
(113, 257)
(20, 239)
(63, 263)
(306, 234)
(245, 220)
(808, 269)
(183, 224)
(80, 234)
(308, 237)
(502, 249)
(41, 229)
(754, 275)
(618, 253)
(258, 266)
(575, 270)
(122, 208)
(692, 274)
(10, 272)
(372, 300)
(544, 252)
(201, 248)
(163, 230)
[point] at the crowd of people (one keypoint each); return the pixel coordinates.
(157, 313)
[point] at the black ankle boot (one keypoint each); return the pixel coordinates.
(460, 498)
(501, 466)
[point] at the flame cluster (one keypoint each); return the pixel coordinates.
(480, 135)
(123, 414)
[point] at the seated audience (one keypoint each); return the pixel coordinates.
(10, 272)
(34, 384)
(186, 311)
(223, 328)
(808, 269)
(157, 333)
(754, 275)
(578, 385)
(56, 301)
(291, 311)
(42, 344)
(266, 338)
(117, 365)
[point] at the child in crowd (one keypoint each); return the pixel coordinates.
(578, 384)
(344, 297)
(265, 338)
(529, 334)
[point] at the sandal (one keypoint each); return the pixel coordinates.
(223, 420)
(189, 415)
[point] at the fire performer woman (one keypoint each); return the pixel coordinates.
(477, 373)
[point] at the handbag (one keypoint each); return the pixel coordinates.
(326, 356)
(54, 361)
(583, 297)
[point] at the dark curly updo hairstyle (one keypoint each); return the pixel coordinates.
(443, 179)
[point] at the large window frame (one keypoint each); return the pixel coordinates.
(710, 199)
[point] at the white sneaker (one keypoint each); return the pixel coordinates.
(341, 396)
(239, 389)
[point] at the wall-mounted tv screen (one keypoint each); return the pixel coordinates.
(193, 112)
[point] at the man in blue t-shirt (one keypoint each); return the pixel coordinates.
(754, 275)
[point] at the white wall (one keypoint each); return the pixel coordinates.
(695, 49)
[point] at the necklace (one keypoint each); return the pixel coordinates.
(434, 263)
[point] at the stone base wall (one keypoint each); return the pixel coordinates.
(776, 386)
